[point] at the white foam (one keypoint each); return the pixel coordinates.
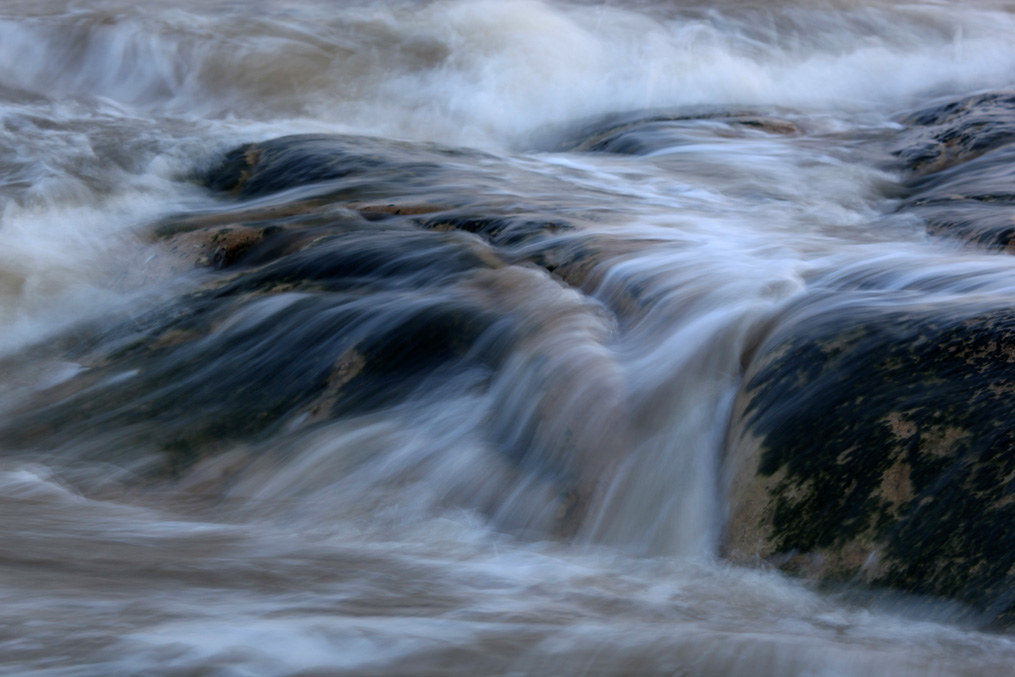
(492, 72)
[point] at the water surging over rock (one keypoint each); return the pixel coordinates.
(348, 283)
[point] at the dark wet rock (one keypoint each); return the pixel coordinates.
(382, 181)
(252, 236)
(961, 156)
(380, 284)
(414, 178)
(956, 131)
(382, 259)
(643, 133)
(399, 209)
(499, 230)
(879, 448)
(973, 201)
(220, 247)
(356, 319)
(368, 168)
(322, 306)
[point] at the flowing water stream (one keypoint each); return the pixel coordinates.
(404, 539)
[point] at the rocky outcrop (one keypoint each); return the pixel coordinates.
(343, 276)
(355, 319)
(356, 167)
(646, 133)
(880, 449)
(368, 283)
(954, 131)
(961, 154)
(872, 443)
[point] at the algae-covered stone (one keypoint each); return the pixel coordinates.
(881, 448)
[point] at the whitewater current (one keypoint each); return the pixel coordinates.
(400, 541)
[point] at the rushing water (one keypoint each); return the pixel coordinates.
(401, 541)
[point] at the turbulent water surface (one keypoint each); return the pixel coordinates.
(424, 535)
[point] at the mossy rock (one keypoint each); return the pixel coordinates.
(881, 449)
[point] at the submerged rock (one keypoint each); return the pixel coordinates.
(366, 164)
(960, 154)
(352, 321)
(375, 286)
(870, 447)
(879, 448)
(647, 133)
(955, 131)
(973, 201)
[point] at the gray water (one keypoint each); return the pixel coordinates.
(401, 541)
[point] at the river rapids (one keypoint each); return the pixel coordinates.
(550, 498)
